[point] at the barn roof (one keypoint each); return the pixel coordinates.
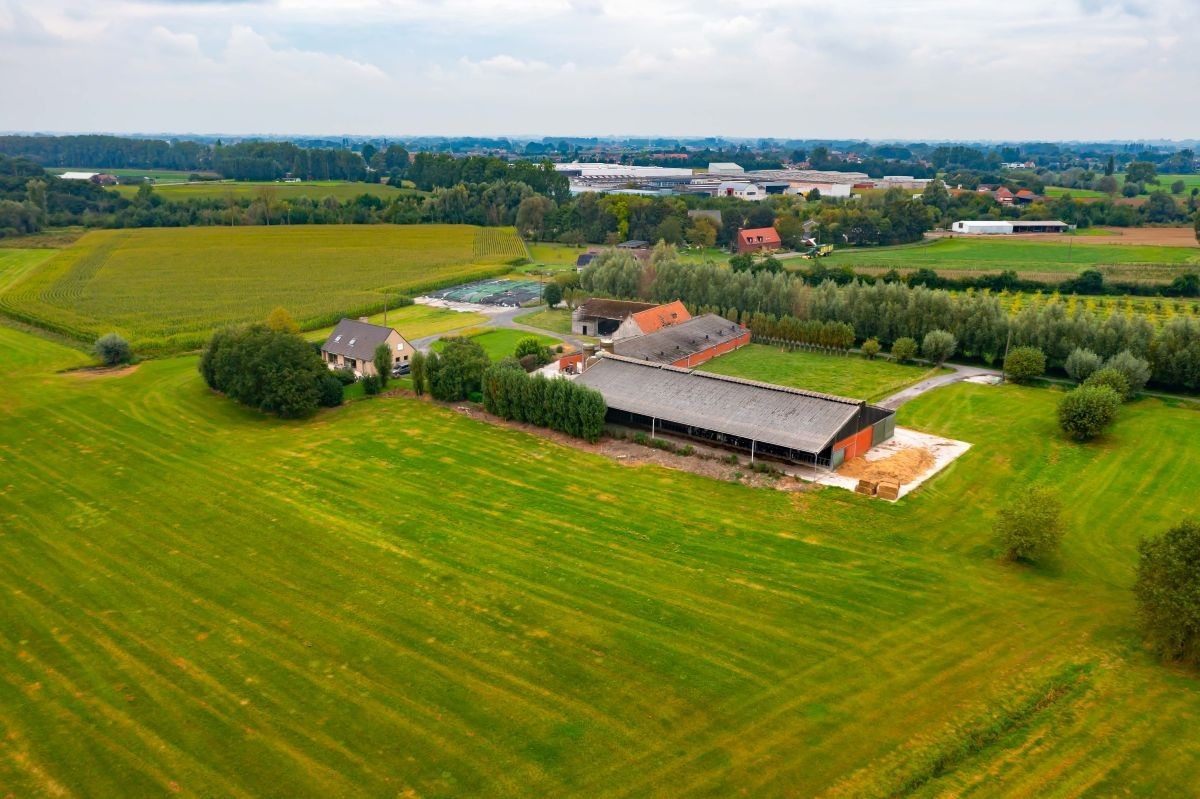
(659, 316)
(787, 417)
(356, 339)
(610, 309)
(672, 343)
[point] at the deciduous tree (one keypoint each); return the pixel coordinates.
(1168, 591)
(1030, 526)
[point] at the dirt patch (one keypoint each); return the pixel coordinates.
(96, 372)
(901, 467)
(714, 464)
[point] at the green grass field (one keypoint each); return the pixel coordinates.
(166, 289)
(995, 254)
(313, 190)
(392, 599)
(1078, 194)
(557, 320)
(500, 343)
(847, 376)
(1189, 181)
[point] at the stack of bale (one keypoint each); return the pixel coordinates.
(866, 487)
(888, 489)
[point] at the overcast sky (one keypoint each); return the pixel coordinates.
(922, 69)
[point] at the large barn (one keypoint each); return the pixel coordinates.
(787, 424)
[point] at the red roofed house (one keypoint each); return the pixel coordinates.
(1025, 196)
(758, 239)
(1003, 196)
(652, 320)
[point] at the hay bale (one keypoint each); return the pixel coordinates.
(888, 489)
(865, 487)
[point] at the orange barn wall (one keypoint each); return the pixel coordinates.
(712, 352)
(856, 444)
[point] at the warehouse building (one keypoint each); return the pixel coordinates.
(764, 420)
(686, 344)
(995, 227)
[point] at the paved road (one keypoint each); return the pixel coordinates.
(960, 373)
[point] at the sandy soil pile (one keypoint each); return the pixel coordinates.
(903, 467)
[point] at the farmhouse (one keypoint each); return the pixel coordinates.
(789, 424)
(352, 345)
(619, 319)
(758, 239)
(686, 344)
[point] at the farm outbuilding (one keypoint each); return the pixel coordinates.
(788, 424)
(999, 228)
(620, 319)
(688, 343)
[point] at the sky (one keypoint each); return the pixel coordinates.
(873, 69)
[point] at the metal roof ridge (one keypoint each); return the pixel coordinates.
(740, 380)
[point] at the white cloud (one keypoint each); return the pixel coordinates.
(877, 69)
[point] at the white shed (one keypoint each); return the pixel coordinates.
(984, 227)
(725, 168)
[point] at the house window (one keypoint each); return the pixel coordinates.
(337, 339)
(353, 364)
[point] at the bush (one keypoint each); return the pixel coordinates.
(382, 361)
(272, 370)
(552, 294)
(279, 319)
(1110, 378)
(1168, 592)
(870, 348)
(1136, 371)
(1024, 364)
(1031, 525)
(938, 346)
(416, 369)
(904, 349)
(475, 396)
(457, 371)
(371, 385)
(330, 393)
(112, 350)
(528, 362)
(1087, 411)
(344, 375)
(530, 345)
(558, 404)
(1081, 363)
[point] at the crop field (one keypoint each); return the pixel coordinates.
(203, 601)
(166, 289)
(1054, 258)
(845, 375)
(500, 343)
(1158, 309)
(313, 190)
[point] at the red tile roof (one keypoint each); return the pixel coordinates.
(661, 316)
(766, 236)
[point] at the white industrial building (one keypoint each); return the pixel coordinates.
(725, 168)
(78, 175)
(989, 227)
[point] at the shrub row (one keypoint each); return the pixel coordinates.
(559, 404)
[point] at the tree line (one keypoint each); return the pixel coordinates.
(886, 312)
(558, 404)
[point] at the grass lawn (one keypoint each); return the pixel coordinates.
(501, 342)
(415, 321)
(1078, 194)
(393, 599)
(994, 254)
(166, 288)
(847, 376)
(1189, 181)
(557, 320)
(313, 190)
